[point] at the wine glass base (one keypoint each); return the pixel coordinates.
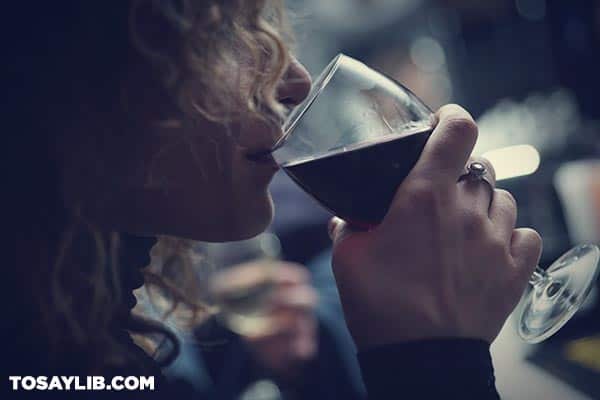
(552, 301)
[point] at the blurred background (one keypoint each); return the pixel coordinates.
(528, 71)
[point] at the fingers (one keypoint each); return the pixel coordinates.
(293, 291)
(293, 321)
(295, 342)
(526, 249)
(304, 344)
(290, 282)
(449, 147)
(476, 194)
(289, 305)
(299, 298)
(503, 214)
(288, 274)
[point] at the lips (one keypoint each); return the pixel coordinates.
(262, 156)
(263, 162)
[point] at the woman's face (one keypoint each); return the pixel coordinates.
(187, 177)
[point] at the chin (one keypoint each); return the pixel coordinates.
(239, 220)
(253, 220)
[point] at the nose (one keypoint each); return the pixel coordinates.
(295, 84)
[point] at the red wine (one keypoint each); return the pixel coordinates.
(358, 183)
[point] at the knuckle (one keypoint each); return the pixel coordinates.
(473, 225)
(422, 195)
(498, 248)
(495, 249)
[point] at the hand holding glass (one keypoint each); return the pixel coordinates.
(352, 142)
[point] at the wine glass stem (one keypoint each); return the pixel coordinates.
(539, 276)
(542, 282)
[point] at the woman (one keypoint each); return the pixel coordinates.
(140, 116)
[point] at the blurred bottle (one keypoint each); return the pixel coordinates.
(578, 185)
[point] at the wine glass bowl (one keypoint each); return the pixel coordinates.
(377, 129)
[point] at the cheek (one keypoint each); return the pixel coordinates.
(255, 134)
(252, 200)
(192, 173)
(216, 195)
(209, 189)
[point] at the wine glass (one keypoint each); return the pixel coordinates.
(353, 141)
(241, 282)
(240, 285)
(232, 281)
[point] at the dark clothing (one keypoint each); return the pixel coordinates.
(450, 368)
(430, 369)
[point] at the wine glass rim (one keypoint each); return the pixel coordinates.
(318, 86)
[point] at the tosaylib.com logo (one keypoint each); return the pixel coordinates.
(67, 383)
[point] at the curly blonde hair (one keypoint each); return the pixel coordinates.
(67, 288)
(213, 39)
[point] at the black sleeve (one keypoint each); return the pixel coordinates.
(429, 369)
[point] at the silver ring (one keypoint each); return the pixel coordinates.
(476, 171)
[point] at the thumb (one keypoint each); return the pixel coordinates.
(526, 249)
